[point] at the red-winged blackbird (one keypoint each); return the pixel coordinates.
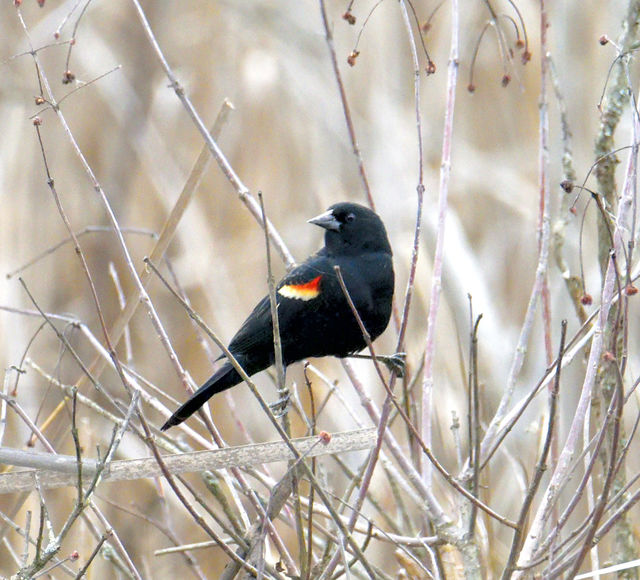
(314, 316)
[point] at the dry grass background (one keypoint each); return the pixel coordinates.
(287, 138)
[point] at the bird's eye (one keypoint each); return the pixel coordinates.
(349, 218)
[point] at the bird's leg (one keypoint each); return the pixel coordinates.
(281, 406)
(394, 362)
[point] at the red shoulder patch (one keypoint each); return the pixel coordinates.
(304, 291)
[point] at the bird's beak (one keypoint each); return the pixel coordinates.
(326, 220)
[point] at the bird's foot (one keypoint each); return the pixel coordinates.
(281, 406)
(395, 362)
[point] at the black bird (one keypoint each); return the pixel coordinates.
(313, 314)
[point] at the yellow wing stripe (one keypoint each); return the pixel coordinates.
(307, 291)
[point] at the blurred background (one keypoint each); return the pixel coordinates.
(287, 138)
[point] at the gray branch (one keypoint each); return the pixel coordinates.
(60, 470)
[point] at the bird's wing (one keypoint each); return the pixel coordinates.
(298, 289)
(304, 283)
(255, 330)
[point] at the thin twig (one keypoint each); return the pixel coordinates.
(438, 256)
(474, 423)
(541, 465)
(345, 105)
(242, 191)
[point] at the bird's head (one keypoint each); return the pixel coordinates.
(352, 228)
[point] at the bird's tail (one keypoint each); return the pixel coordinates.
(222, 379)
